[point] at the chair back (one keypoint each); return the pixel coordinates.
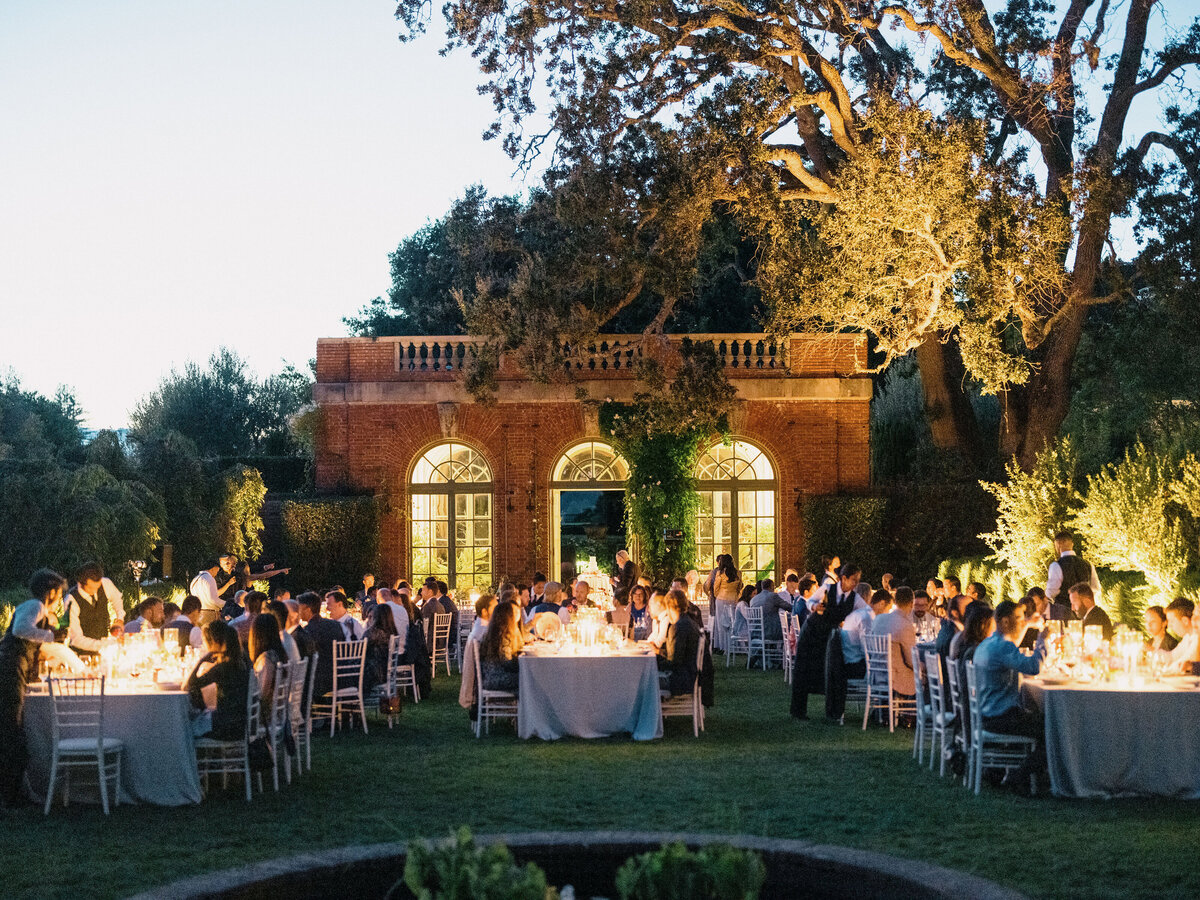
(308, 689)
(785, 623)
(879, 661)
(919, 683)
(933, 678)
(973, 700)
(299, 678)
(281, 695)
(754, 617)
(349, 660)
(395, 654)
(78, 705)
(253, 706)
(466, 619)
(441, 631)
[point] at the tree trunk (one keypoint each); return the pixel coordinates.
(952, 422)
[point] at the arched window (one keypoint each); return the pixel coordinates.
(588, 507)
(737, 487)
(451, 520)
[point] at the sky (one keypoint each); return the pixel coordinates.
(176, 177)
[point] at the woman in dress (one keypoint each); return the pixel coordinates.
(723, 586)
(223, 667)
(639, 611)
(266, 652)
(499, 649)
(381, 628)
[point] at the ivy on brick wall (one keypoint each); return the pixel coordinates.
(330, 541)
(660, 435)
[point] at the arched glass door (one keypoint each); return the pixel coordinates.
(738, 490)
(451, 517)
(588, 504)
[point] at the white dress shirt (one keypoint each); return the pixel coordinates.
(25, 622)
(116, 613)
(195, 636)
(290, 647)
(478, 629)
(1185, 649)
(400, 617)
(351, 626)
(857, 624)
(204, 587)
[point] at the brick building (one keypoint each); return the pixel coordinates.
(529, 483)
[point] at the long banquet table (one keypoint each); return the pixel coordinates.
(589, 696)
(1113, 740)
(158, 765)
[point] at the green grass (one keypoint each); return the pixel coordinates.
(755, 771)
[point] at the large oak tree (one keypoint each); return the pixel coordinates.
(942, 174)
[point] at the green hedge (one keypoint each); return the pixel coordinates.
(330, 541)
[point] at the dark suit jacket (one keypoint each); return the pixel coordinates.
(1097, 616)
(323, 633)
(304, 643)
(678, 656)
(626, 579)
(835, 612)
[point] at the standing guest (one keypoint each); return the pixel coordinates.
(834, 603)
(223, 666)
(1156, 627)
(829, 570)
(1068, 570)
(681, 645)
(335, 605)
(899, 625)
(381, 628)
(186, 624)
(625, 577)
(537, 589)
(304, 643)
(150, 616)
(265, 650)
(499, 650)
(368, 583)
(1083, 602)
(1179, 617)
(94, 609)
(998, 667)
(853, 660)
(32, 626)
(790, 592)
(723, 587)
(291, 649)
(323, 634)
(483, 615)
(253, 604)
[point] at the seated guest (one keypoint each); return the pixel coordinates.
(185, 625)
(863, 594)
(323, 634)
(790, 592)
(499, 649)
(853, 660)
(381, 628)
(387, 598)
(934, 588)
(998, 667)
(536, 590)
(977, 627)
(233, 606)
(952, 590)
(448, 605)
(976, 591)
(658, 619)
(224, 667)
(681, 645)
(1049, 612)
(431, 605)
(769, 601)
(483, 615)
(265, 650)
(1156, 627)
(924, 620)
(898, 624)
(1034, 623)
(741, 625)
(335, 605)
(368, 588)
(304, 644)
(1083, 602)
(291, 649)
(252, 604)
(368, 603)
(150, 616)
(639, 607)
(1179, 618)
(952, 624)
(809, 589)
(551, 595)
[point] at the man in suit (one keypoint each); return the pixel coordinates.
(769, 601)
(899, 625)
(682, 644)
(840, 597)
(323, 634)
(1083, 601)
(625, 577)
(304, 643)
(431, 606)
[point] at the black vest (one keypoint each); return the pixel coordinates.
(20, 657)
(1074, 571)
(94, 619)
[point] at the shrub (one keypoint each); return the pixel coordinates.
(1033, 506)
(330, 541)
(717, 872)
(851, 527)
(459, 870)
(239, 513)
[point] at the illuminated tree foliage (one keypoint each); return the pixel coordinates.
(927, 172)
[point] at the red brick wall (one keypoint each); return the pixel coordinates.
(818, 446)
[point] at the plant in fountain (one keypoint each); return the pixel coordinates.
(459, 870)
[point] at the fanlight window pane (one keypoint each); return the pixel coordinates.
(451, 464)
(591, 461)
(740, 459)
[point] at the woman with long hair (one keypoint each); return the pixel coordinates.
(224, 667)
(266, 652)
(381, 628)
(723, 586)
(498, 651)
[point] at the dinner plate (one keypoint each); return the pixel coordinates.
(1053, 682)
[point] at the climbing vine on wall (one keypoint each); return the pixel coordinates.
(660, 435)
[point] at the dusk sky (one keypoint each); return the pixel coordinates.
(179, 176)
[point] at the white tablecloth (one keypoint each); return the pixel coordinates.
(1105, 741)
(159, 762)
(589, 697)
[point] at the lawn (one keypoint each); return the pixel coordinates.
(755, 771)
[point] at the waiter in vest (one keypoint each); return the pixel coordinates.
(1065, 572)
(94, 609)
(32, 625)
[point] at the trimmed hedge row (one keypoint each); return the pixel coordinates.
(330, 541)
